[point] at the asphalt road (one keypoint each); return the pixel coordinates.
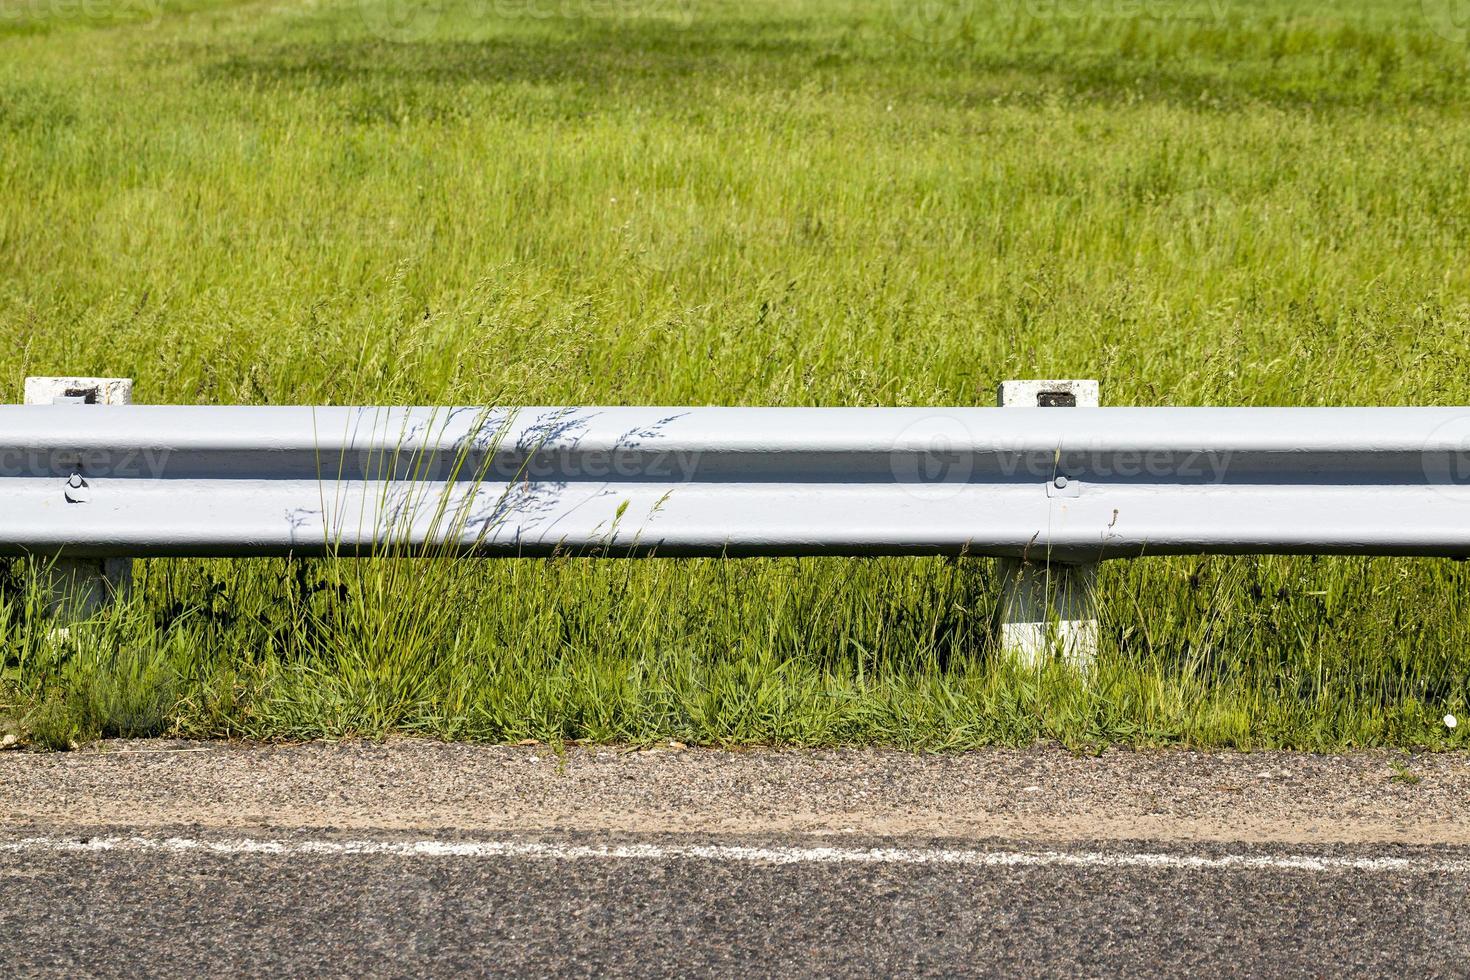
(121, 890)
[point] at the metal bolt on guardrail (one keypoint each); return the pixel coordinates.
(1048, 606)
(77, 587)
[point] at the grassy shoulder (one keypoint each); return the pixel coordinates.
(1242, 653)
(768, 202)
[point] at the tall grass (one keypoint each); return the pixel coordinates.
(797, 202)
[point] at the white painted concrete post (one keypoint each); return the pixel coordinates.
(1048, 606)
(78, 587)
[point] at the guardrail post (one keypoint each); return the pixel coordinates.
(1048, 606)
(78, 587)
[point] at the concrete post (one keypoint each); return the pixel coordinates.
(78, 587)
(1048, 607)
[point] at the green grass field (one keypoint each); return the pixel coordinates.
(795, 202)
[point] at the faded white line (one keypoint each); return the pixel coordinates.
(735, 853)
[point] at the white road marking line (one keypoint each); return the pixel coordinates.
(736, 853)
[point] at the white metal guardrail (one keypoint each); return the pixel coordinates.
(1080, 485)
(1066, 488)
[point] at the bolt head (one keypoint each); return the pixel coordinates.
(74, 481)
(1060, 483)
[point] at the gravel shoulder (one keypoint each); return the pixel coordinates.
(1037, 794)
